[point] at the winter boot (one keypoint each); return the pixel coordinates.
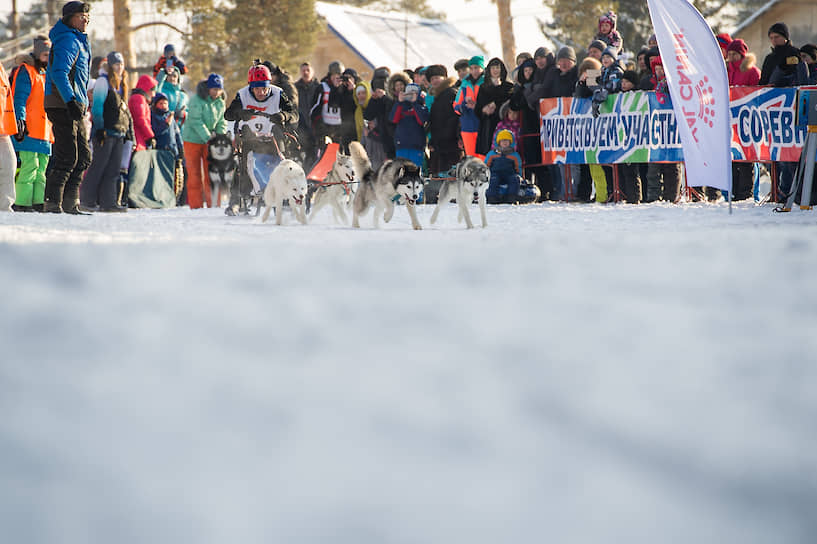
(50, 206)
(20, 208)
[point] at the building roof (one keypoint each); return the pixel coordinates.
(379, 38)
(763, 9)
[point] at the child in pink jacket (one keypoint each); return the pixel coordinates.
(139, 105)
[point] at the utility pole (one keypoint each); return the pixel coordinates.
(122, 36)
(15, 20)
(54, 10)
(503, 9)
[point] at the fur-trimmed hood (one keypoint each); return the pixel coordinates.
(397, 76)
(748, 62)
(448, 83)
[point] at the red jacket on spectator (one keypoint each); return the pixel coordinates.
(744, 72)
(139, 105)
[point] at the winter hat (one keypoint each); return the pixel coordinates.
(631, 76)
(169, 50)
(71, 8)
(504, 134)
(780, 28)
(656, 61)
(420, 70)
(461, 64)
(41, 45)
(115, 57)
(566, 52)
(610, 18)
(739, 46)
(597, 44)
(352, 73)
(477, 60)
(541, 52)
(652, 38)
(436, 70)
(215, 81)
(336, 67)
(610, 52)
(157, 97)
(811, 50)
(379, 78)
(412, 88)
(724, 40)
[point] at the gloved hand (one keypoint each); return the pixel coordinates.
(150, 143)
(75, 111)
(277, 118)
(246, 115)
(99, 136)
(22, 131)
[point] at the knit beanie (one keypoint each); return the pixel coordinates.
(412, 88)
(566, 52)
(215, 81)
(597, 44)
(541, 52)
(739, 46)
(71, 8)
(477, 60)
(504, 134)
(41, 45)
(780, 28)
(631, 76)
(436, 70)
(114, 57)
(169, 50)
(610, 52)
(811, 50)
(724, 39)
(157, 97)
(461, 64)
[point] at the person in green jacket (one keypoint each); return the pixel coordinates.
(205, 117)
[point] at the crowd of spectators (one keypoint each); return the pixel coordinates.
(64, 112)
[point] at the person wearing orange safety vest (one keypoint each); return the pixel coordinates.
(8, 127)
(34, 135)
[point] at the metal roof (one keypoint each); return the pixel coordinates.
(394, 39)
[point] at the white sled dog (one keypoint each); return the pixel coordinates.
(395, 178)
(337, 190)
(287, 182)
(472, 181)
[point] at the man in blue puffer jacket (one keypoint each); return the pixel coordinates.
(66, 99)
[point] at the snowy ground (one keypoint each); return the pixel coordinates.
(571, 374)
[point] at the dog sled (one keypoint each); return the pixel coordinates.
(258, 154)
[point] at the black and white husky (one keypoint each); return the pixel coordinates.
(221, 166)
(337, 189)
(395, 179)
(472, 182)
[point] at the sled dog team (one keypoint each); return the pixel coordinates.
(396, 180)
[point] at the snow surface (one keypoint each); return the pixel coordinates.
(571, 374)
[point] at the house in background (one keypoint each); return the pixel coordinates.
(799, 15)
(365, 39)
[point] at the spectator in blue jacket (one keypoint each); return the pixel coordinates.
(505, 165)
(165, 129)
(410, 115)
(66, 84)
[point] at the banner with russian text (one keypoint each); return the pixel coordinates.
(699, 87)
(635, 127)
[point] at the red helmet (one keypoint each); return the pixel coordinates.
(259, 76)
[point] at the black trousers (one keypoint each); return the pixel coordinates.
(70, 157)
